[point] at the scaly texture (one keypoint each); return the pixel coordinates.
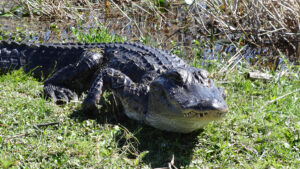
(153, 85)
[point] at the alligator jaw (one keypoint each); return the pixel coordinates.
(178, 124)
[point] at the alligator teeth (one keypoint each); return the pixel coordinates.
(189, 114)
(194, 114)
(201, 114)
(220, 114)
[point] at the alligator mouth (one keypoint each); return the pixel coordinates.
(193, 114)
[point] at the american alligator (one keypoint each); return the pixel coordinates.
(153, 85)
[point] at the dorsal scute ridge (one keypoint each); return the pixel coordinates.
(159, 55)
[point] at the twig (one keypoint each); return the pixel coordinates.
(278, 98)
(258, 75)
(46, 124)
(130, 20)
(133, 3)
(171, 163)
(17, 135)
(231, 60)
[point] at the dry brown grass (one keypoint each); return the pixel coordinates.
(261, 23)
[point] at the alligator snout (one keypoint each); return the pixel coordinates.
(219, 106)
(206, 107)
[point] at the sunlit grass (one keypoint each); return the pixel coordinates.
(260, 131)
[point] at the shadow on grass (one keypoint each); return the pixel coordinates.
(160, 145)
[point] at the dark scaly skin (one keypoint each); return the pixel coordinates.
(153, 85)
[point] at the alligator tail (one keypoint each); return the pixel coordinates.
(40, 59)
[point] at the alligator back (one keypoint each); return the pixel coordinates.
(43, 59)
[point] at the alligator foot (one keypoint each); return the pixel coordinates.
(89, 107)
(59, 95)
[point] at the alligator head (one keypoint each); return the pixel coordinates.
(184, 100)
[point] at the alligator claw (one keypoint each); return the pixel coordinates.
(59, 95)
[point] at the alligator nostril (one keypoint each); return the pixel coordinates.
(225, 109)
(218, 106)
(222, 92)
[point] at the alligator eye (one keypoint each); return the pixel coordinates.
(158, 90)
(175, 77)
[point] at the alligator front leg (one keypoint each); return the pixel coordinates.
(121, 86)
(73, 79)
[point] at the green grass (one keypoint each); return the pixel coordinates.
(261, 130)
(70, 144)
